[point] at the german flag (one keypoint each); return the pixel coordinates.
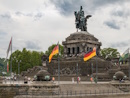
(54, 52)
(90, 54)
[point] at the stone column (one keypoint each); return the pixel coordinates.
(71, 50)
(81, 49)
(75, 50)
(65, 51)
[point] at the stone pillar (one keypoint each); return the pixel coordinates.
(85, 49)
(65, 50)
(81, 49)
(71, 50)
(75, 50)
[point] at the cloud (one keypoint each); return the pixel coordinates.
(18, 13)
(112, 24)
(5, 16)
(2, 33)
(35, 15)
(124, 13)
(118, 13)
(32, 45)
(66, 7)
(121, 44)
(41, 23)
(98, 3)
(38, 16)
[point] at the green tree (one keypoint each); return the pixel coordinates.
(16, 57)
(3, 65)
(25, 60)
(109, 53)
(28, 59)
(36, 58)
(2, 62)
(50, 48)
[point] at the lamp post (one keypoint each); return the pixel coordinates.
(12, 76)
(18, 68)
(77, 69)
(92, 69)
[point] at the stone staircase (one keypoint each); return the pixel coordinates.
(113, 70)
(31, 72)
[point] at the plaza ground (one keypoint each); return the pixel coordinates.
(95, 96)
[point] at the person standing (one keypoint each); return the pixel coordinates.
(5, 80)
(53, 79)
(79, 79)
(91, 79)
(72, 79)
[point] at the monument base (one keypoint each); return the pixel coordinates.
(73, 67)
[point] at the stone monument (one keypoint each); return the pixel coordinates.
(75, 46)
(79, 43)
(72, 64)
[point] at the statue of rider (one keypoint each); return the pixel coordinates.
(80, 20)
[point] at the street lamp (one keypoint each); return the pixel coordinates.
(18, 66)
(92, 70)
(77, 69)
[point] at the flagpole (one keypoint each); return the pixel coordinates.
(92, 69)
(11, 55)
(96, 70)
(129, 62)
(96, 67)
(58, 65)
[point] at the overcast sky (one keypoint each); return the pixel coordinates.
(37, 24)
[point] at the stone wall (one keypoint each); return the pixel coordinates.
(78, 66)
(11, 90)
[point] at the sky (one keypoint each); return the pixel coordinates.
(37, 24)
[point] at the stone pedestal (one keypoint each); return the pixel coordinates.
(79, 43)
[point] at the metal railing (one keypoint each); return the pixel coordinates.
(72, 93)
(52, 93)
